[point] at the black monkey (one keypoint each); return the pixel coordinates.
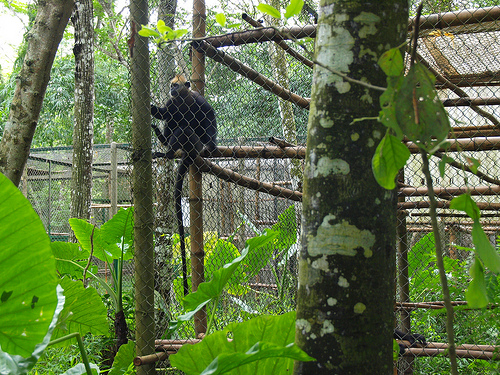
(413, 338)
(189, 126)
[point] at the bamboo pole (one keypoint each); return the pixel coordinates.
(460, 18)
(264, 34)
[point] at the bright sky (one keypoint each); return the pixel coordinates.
(11, 36)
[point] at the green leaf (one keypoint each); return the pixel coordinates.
(118, 230)
(209, 290)
(15, 364)
(83, 312)
(273, 330)
(123, 359)
(28, 274)
(221, 19)
(294, 8)
(79, 369)
(177, 34)
(465, 203)
(487, 253)
(147, 32)
(442, 164)
(387, 100)
(261, 350)
(476, 294)
(390, 156)
(64, 251)
(473, 164)
(269, 10)
(419, 110)
(162, 28)
(391, 62)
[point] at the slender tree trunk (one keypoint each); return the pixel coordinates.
(142, 186)
(83, 133)
(346, 268)
(43, 40)
(164, 177)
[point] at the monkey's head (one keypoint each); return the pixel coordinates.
(179, 86)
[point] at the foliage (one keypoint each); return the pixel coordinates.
(32, 302)
(411, 107)
(267, 339)
(211, 291)
(28, 287)
(112, 242)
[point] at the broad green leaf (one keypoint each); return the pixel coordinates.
(117, 230)
(226, 362)
(487, 253)
(89, 238)
(64, 251)
(83, 312)
(419, 110)
(16, 364)
(147, 32)
(274, 330)
(391, 62)
(221, 19)
(208, 290)
(476, 294)
(79, 369)
(123, 359)
(390, 156)
(294, 8)
(269, 10)
(28, 276)
(465, 203)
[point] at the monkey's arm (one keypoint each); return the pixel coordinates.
(161, 113)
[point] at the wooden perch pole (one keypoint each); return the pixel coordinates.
(250, 183)
(281, 43)
(264, 34)
(247, 72)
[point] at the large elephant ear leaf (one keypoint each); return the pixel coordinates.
(28, 281)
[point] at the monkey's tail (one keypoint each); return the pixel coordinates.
(181, 173)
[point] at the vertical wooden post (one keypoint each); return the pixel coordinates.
(195, 177)
(113, 181)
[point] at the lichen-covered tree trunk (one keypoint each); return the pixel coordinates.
(347, 261)
(83, 132)
(43, 41)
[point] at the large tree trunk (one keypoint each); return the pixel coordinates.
(81, 179)
(346, 268)
(43, 40)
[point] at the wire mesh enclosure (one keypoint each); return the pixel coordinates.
(258, 81)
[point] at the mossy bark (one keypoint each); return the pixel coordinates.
(346, 269)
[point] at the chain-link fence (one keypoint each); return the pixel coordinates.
(259, 88)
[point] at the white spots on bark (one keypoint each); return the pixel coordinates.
(340, 238)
